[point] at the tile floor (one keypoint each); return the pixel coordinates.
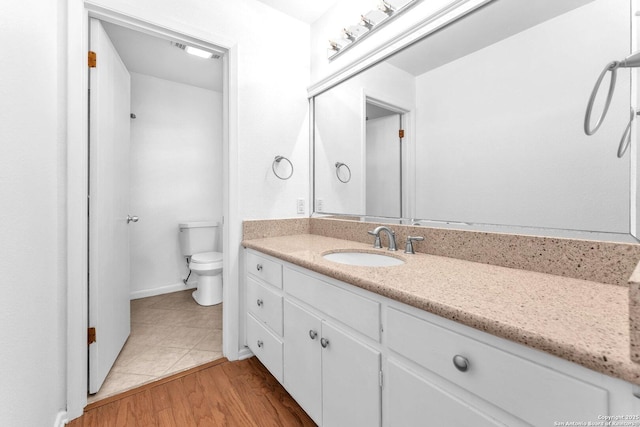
(169, 333)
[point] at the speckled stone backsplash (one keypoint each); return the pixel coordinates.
(262, 228)
(596, 261)
(602, 262)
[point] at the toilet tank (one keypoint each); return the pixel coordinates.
(197, 237)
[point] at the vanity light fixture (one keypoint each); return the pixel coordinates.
(201, 53)
(386, 10)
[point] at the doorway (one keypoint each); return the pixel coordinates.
(176, 168)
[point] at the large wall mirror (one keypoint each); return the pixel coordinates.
(491, 107)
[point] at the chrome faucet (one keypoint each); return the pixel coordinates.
(390, 234)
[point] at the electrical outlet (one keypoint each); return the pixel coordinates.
(319, 205)
(300, 205)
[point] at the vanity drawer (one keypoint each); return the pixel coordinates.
(266, 346)
(412, 400)
(532, 392)
(360, 313)
(265, 269)
(265, 305)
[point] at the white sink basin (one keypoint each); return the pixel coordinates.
(363, 259)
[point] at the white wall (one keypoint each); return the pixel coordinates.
(339, 132)
(176, 175)
(271, 119)
(267, 117)
(272, 106)
(32, 226)
(500, 130)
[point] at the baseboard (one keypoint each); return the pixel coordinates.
(61, 419)
(163, 290)
(244, 353)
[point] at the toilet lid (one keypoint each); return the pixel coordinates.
(206, 257)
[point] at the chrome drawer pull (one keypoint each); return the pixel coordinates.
(259, 302)
(260, 344)
(259, 267)
(461, 363)
(324, 342)
(312, 334)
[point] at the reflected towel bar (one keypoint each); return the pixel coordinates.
(340, 165)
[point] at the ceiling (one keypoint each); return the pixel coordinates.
(157, 57)
(304, 10)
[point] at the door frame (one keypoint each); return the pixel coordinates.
(77, 176)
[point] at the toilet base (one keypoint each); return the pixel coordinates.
(209, 290)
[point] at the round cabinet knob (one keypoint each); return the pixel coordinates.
(324, 342)
(132, 219)
(259, 267)
(260, 343)
(259, 302)
(313, 334)
(461, 363)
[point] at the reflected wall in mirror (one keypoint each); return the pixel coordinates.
(492, 108)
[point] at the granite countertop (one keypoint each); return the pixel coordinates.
(578, 320)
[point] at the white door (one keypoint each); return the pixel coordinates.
(383, 185)
(109, 118)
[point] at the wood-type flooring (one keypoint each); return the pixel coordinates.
(220, 393)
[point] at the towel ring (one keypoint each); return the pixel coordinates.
(340, 165)
(277, 160)
(613, 67)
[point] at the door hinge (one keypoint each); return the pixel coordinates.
(91, 335)
(380, 378)
(401, 133)
(92, 58)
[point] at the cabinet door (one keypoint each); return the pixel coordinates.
(350, 380)
(303, 370)
(412, 401)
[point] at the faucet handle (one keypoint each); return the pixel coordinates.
(376, 243)
(408, 249)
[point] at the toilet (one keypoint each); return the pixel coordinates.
(200, 242)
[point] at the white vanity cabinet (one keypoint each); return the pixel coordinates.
(351, 357)
(329, 371)
(311, 335)
(332, 375)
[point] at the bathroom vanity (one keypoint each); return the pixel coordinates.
(436, 340)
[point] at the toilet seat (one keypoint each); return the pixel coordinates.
(206, 257)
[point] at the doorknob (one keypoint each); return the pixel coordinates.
(132, 219)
